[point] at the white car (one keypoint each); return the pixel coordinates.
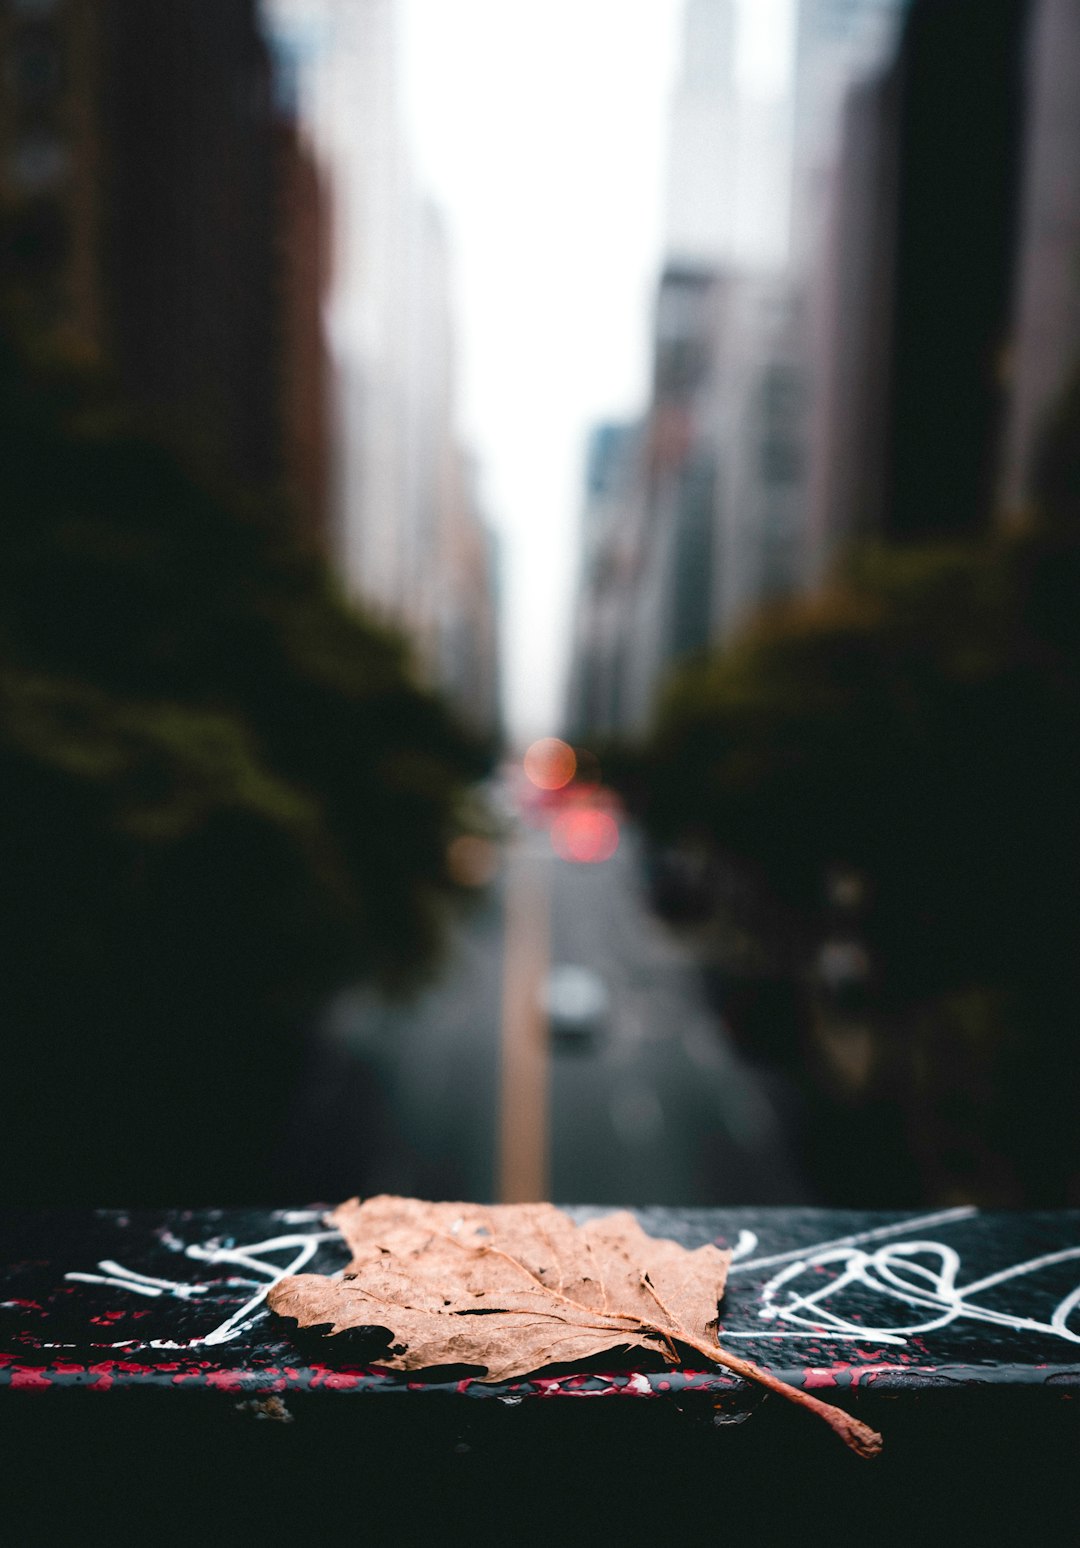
(576, 1002)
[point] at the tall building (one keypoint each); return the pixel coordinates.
(190, 226)
(700, 213)
(839, 161)
(759, 398)
(703, 492)
(837, 44)
(159, 220)
(848, 430)
(718, 507)
(606, 559)
(728, 164)
(307, 385)
(467, 653)
(407, 533)
(1043, 353)
(647, 586)
(961, 101)
(50, 172)
(918, 289)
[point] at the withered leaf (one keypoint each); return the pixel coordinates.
(511, 1288)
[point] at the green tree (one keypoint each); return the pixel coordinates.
(920, 724)
(225, 792)
(912, 724)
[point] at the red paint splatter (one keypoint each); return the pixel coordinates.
(341, 1381)
(28, 1376)
(819, 1378)
(225, 1381)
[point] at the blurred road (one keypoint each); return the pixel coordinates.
(463, 1092)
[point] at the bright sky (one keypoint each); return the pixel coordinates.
(540, 128)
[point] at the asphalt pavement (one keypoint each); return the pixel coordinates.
(565, 1051)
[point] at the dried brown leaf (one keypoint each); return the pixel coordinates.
(512, 1288)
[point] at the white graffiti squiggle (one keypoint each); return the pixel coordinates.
(746, 1245)
(922, 1274)
(857, 1238)
(250, 1256)
(915, 1282)
(142, 1284)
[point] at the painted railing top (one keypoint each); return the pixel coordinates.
(826, 1299)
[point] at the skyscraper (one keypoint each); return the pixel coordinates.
(728, 162)
(919, 284)
(50, 172)
(837, 44)
(1043, 354)
(407, 535)
(150, 205)
(190, 226)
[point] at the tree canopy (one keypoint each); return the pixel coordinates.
(225, 791)
(917, 723)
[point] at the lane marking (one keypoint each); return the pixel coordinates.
(523, 1162)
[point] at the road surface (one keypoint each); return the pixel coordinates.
(462, 1092)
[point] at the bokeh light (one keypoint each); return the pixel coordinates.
(550, 763)
(585, 835)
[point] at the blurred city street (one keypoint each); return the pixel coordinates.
(566, 1052)
(373, 436)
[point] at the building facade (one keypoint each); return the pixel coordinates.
(915, 301)
(1043, 352)
(162, 222)
(407, 533)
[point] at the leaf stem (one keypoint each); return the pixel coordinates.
(860, 1437)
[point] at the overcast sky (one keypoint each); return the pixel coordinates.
(540, 128)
